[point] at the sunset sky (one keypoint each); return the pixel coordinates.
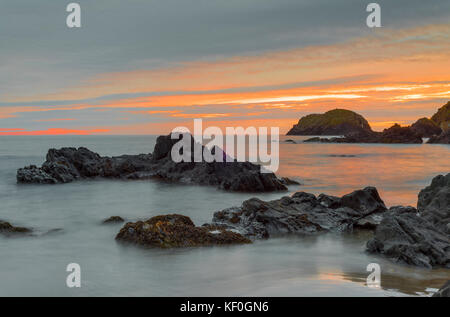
(146, 67)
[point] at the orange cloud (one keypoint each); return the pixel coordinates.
(53, 131)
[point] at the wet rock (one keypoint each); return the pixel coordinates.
(6, 229)
(33, 174)
(113, 219)
(444, 291)
(176, 231)
(303, 213)
(287, 181)
(68, 164)
(410, 239)
(434, 202)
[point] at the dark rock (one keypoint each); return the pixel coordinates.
(333, 122)
(434, 203)
(410, 239)
(443, 138)
(290, 141)
(113, 219)
(7, 229)
(303, 213)
(393, 135)
(175, 231)
(68, 164)
(287, 181)
(426, 128)
(444, 291)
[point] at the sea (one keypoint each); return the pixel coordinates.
(320, 265)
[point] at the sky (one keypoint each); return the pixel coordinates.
(149, 66)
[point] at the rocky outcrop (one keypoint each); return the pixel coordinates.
(426, 128)
(69, 164)
(443, 138)
(175, 231)
(434, 203)
(444, 291)
(394, 135)
(113, 219)
(6, 229)
(333, 122)
(303, 213)
(410, 239)
(418, 237)
(442, 117)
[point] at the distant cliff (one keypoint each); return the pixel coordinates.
(442, 117)
(333, 122)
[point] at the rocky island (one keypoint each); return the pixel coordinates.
(333, 122)
(69, 164)
(355, 129)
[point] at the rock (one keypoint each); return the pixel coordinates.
(442, 117)
(7, 229)
(443, 138)
(444, 291)
(434, 203)
(333, 122)
(303, 213)
(290, 141)
(287, 181)
(33, 174)
(426, 128)
(175, 231)
(372, 221)
(113, 219)
(69, 164)
(393, 135)
(410, 239)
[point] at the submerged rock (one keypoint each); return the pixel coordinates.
(175, 231)
(69, 164)
(113, 219)
(7, 229)
(303, 213)
(444, 291)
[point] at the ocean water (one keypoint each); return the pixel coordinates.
(323, 265)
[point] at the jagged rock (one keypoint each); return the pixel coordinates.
(444, 291)
(68, 164)
(7, 229)
(287, 181)
(33, 174)
(410, 239)
(442, 117)
(426, 128)
(395, 134)
(175, 231)
(303, 213)
(333, 122)
(434, 202)
(443, 138)
(113, 219)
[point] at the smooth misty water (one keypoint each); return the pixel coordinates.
(291, 266)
